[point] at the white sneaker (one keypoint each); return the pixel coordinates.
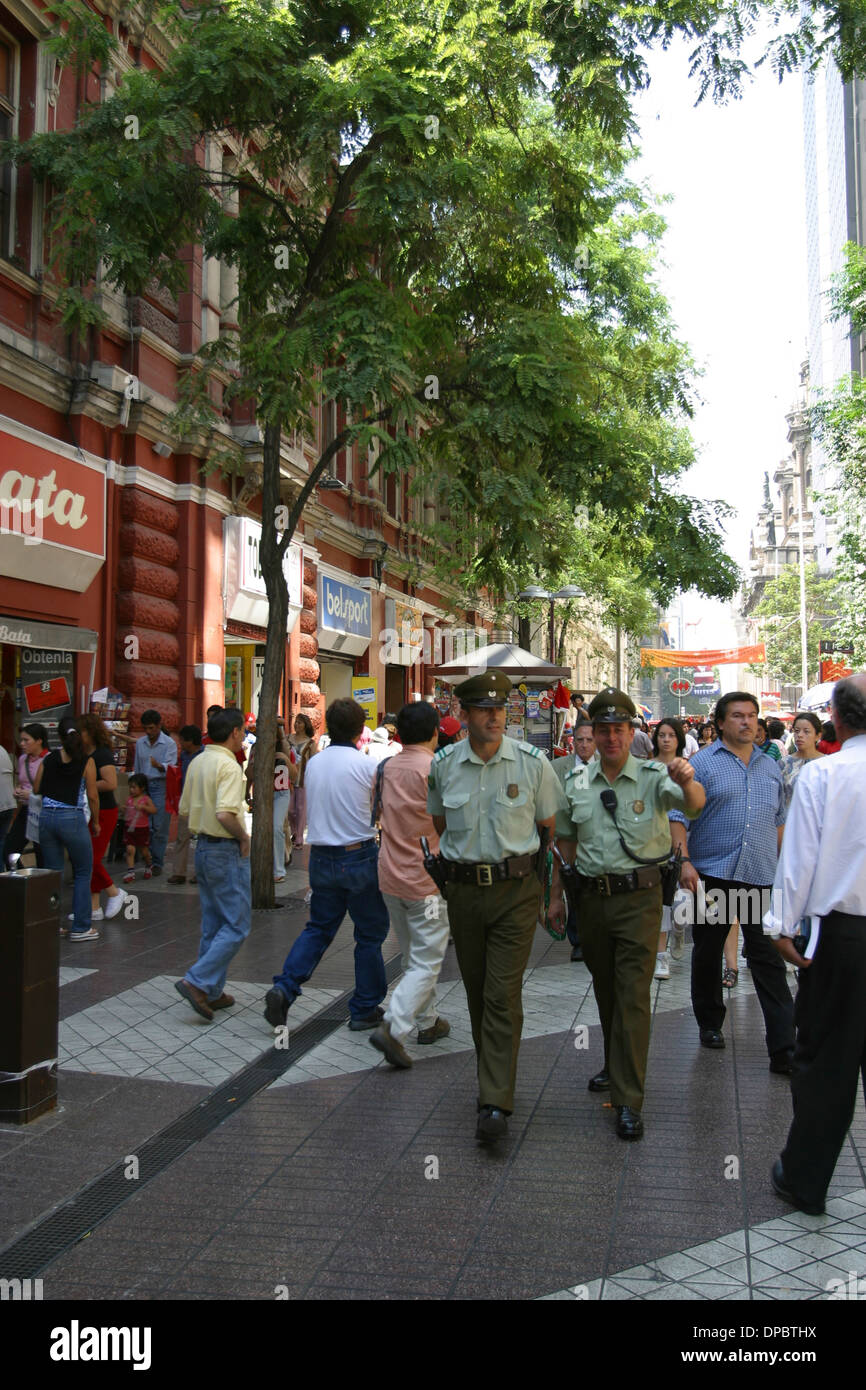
(663, 966)
(115, 905)
(96, 915)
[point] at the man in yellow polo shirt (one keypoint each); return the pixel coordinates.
(213, 802)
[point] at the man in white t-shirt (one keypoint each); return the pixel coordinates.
(343, 873)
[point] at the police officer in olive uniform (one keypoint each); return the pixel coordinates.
(489, 796)
(620, 900)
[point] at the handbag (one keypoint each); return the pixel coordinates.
(34, 807)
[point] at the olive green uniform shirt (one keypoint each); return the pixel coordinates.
(490, 808)
(644, 795)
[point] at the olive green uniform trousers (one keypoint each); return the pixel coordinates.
(493, 930)
(619, 936)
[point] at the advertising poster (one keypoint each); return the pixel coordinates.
(234, 672)
(365, 689)
(47, 687)
(515, 713)
(539, 718)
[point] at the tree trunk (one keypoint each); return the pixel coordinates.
(271, 555)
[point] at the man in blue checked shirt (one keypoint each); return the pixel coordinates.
(154, 752)
(733, 847)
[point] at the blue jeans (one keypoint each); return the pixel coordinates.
(281, 806)
(342, 881)
(224, 893)
(160, 822)
(64, 828)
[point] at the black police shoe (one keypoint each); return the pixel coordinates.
(711, 1037)
(492, 1125)
(782, 1062)
(599, 1082)
(629, 1124)
(782, 1190)
(577, 952)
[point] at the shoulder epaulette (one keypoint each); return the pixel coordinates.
(654, 765)
(443, 752)
(576, 770)
(529, 748)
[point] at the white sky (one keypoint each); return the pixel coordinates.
(735, 276)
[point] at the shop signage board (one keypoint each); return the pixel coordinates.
(406, 624)
(365, 690)
(246, 596)
(52, 509)
(681, 687)
(345, 616)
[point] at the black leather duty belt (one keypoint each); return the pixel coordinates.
(607, 884)
(484, 875)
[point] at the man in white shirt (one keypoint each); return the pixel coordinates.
(822, 874)
(691, 744)
(343, 873)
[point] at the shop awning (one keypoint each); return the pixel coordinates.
(22, 632)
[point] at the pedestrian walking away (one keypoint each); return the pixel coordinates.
(213, 803)
(493, 801)
(96, 741)
(733, 848)
(819, 906)
(416, 908)
(620, 838)
(343, 873)
(66, 781)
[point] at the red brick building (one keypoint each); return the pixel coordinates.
(122, 562)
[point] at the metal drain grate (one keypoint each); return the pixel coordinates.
(54, 1234)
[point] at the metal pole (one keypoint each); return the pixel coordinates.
(552, 636)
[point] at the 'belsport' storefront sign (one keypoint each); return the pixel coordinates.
(345, 616)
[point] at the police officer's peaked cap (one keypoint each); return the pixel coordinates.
(491, 688)
(612, 707)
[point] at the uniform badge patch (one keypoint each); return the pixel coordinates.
(637, 807)
(512, 790)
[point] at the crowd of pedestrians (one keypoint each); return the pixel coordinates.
(618, 807)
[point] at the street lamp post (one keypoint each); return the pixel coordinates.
(568, 591)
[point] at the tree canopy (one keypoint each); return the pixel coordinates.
(779, 614)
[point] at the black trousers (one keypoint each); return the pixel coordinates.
(745, 901)
(17, 838)
(830, 1056)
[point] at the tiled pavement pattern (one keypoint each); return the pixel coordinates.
(797, 1257)
(325, 1188)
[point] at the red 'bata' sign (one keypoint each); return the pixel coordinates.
(51, 498)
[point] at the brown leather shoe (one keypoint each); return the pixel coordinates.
(176, 878)
(196, 997)
(440, 1029)
(225, 1001)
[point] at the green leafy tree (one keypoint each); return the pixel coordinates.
(432, 224)
(779, 616)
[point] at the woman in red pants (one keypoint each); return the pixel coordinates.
(97, 743)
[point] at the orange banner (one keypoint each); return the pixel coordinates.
(723, 656)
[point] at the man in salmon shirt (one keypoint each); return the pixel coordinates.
(417, 910)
